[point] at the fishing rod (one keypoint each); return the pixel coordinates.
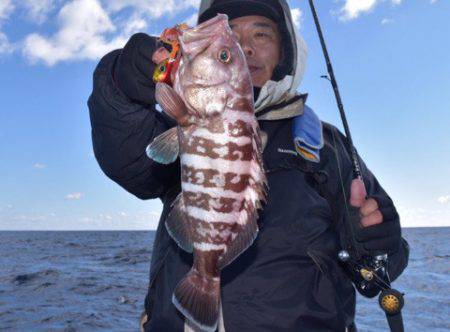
(368, 273)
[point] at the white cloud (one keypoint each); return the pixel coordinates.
(6, 8)
(122, 220)
(39, 166)
(37, 11)
(433, 1)
(153, 9)
(86, 29)
(74, 196)
(29, 221)
(191, 20)
(420, 217)
(30, 218)
(385, 21)
(87, 219)
(143, 220)
(83, 25)
(192, 3)
(6, 207)
(354, 8)
(5, 45)
(297, 15)
(104, 217)
(134, 24)
(444, 199)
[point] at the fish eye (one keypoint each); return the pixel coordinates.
(225, 55)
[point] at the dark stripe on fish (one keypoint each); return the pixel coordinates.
(209, 148)
(206, 202)
(208, 178)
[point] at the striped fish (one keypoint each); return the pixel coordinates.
(222, 177)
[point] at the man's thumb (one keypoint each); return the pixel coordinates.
(357, 193)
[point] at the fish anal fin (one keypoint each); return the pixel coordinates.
(165, 148)
(246, 234)
(171, 103)
(178, 225)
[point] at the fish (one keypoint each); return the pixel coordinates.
(218, 142)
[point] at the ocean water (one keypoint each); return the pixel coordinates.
(93, 281)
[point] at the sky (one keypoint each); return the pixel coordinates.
(391, 60)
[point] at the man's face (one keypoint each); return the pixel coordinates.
(261, 42)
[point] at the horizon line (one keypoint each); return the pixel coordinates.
(141, 230)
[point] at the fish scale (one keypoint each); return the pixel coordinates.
(222, 177)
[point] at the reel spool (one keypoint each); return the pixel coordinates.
(391, 301)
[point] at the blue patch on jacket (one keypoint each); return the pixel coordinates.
(308, 136)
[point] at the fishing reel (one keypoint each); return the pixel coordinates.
(370, 276)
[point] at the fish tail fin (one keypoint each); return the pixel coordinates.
(197, 297)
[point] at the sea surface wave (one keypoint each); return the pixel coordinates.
(94, 281)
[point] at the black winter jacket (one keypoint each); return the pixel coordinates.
(289, 279)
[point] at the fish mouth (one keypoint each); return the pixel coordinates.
(202, 83)
(253, 69)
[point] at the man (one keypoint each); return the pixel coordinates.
(289, 279)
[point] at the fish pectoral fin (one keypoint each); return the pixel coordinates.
(178, 225)
(171, 103)
(246, 234)
(165, 148)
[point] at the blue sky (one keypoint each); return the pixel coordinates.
(391, 59)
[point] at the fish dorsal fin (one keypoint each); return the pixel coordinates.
(171, 103)
(165, 148)
(178, 225)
